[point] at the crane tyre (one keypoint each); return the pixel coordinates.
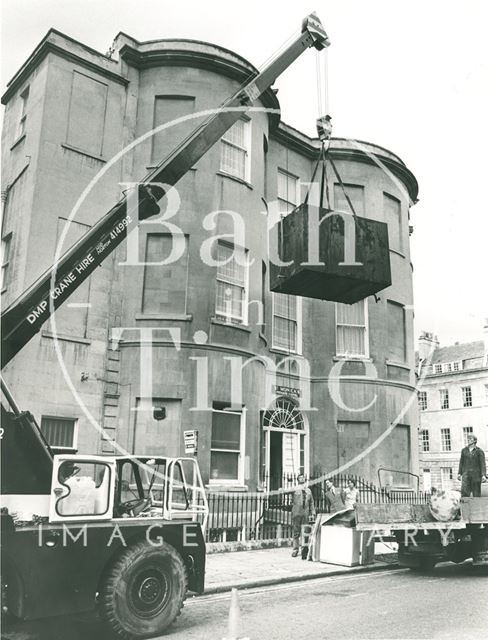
(144, 591)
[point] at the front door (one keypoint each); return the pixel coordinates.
(284, 444)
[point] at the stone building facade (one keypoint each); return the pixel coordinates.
(453, 403)
(69, 111)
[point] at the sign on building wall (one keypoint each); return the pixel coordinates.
(191, 441)
(280, 389)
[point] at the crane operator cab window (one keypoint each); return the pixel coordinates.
(83, 488)
(140, 488)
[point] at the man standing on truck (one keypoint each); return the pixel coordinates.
(472, 469)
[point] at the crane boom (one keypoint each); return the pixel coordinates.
(25, 316)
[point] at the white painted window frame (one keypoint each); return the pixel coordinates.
(366, 334)
(242, 450)
(299, 341)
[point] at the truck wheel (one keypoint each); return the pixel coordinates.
(144, 591)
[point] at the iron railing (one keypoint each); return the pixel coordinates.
(244, 516)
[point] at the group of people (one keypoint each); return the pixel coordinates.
(303, 506)
(471, 473)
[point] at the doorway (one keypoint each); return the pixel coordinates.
(275, 459)
(285, 452)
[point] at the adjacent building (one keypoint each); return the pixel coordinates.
(453, 403)
(69, 111)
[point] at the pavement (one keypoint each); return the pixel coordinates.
(262, 567)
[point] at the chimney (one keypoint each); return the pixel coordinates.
(428, 342)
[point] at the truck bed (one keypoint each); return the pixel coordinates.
(407, 516)
(400, 516)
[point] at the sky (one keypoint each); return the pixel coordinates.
(409, 76)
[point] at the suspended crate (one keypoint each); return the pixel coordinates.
(326, 278)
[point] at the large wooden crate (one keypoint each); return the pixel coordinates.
(330, 280)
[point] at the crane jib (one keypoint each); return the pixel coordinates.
(24, 318)
(81, 270)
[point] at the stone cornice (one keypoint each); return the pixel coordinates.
(233, 68)
(340, 149)
(46, 47)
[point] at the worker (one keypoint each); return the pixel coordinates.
(351, 494)
(334, 497)
(472, 468)
(302, 511)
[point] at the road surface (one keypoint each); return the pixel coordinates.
(449, 603)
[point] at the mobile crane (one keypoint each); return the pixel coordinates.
(124, 534)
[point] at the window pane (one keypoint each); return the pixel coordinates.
(87, 487)
(444, 398)
(445, 439)
(226, 431)
(234, 153)
(467, 431)
(231, 270)
(284, 333)
(233, 161)
(350, 313)
(351, 340)
(230, 299)
(59, 432)
(231, 282)
(164, 289)
(285, 306)
(224, 466)
(236, 134)
(467, 397)
(287, 192)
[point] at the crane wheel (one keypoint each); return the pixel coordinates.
(144, 591)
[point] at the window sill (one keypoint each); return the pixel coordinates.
(352, 359)
(236, 179)
(231, 325)
(285, 352)
(18, 141)
(214, 485)
(400, 365)
(183, 317)
(61, 336)
(82, 152)
(151, 167)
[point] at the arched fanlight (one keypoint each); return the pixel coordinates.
(284, 415)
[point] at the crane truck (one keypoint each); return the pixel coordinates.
(122, 534)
